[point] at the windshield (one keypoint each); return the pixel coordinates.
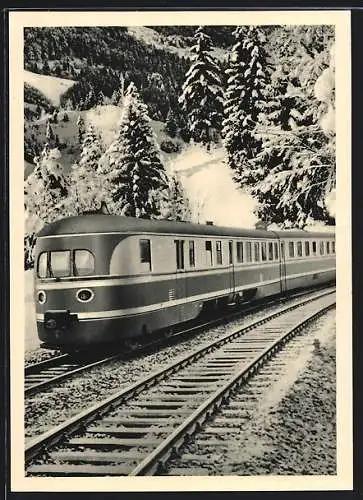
(64, 263)
(60, 264)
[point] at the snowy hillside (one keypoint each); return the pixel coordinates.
(105, 120)
(51, 86)
(171, 43)
(206, 178)
(211, 190)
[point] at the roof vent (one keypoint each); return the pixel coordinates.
(209, 223)
(102, 210)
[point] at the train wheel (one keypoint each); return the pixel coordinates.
(169, 332)
(132, 344)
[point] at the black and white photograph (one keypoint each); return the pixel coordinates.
(180, 234)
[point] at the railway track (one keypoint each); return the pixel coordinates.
(137, 430)
(42, 375)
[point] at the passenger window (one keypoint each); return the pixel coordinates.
(179, 248)
(299, 248)
(42, 265)
(321, 246)
(333, 246)
(239, 251)
(263, 250)
(248, 251)
(219, 252)
(314, 248)
(276, 248)
(60, 264)
(256, 247)
(191, 254)
(83, 263)
(270, 252)
(291, 250)
(307, 248)
(328, 247)
(145, 252)
(208, 248)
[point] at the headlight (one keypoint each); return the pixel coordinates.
(42, 297)
(85, 295)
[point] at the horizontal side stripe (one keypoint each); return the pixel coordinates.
(150, 278)
(99, 315)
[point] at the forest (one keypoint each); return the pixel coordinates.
(265, 95)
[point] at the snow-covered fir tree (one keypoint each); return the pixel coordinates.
(202, 95)
(246, 94)
(132, 164)
(100, 98)
(81, 128)
(46, 187)
(86, 189)
(171, 126)
(175, 205)
(295, 167)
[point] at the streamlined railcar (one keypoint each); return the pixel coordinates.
(105, 278)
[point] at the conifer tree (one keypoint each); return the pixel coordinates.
(245, 97)
(46, 187)
(296, 164)
(100, 98)
(86, 187)
(176, 205)
(132, 163)
(202, 97)
(171, 126)
(81, 129)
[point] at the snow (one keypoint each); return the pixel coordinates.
(330, 202)
(52, 87)
(152, 37)
(324, 85)
(31, 336)
(211, 190)
(105, 120)
(327, 122)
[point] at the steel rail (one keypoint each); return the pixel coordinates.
(35, 368)
(31, 389)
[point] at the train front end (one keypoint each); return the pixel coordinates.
(71, 286)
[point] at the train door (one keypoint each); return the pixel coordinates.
(282, 262)
(180, 282)
(231, 266)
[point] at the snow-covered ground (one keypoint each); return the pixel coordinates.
(172, 43)
(51, 86)
(31, 338)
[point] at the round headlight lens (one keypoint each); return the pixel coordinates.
(42, 297)
(85, 295)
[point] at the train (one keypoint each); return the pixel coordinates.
(103, 279)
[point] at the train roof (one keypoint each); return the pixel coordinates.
(103, 224)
